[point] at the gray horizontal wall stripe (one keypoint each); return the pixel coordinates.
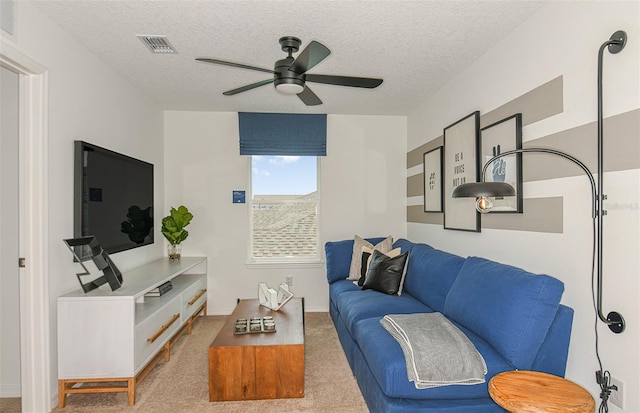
(541, 215)
(540, 103)
(621, 149)
(415, 213)
(415, 156)
(415, 185)
(621, 152)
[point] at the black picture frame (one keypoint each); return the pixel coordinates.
(499, 137)
(432, 168)
(461, 165)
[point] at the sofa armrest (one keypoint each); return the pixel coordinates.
(552, 357)
(338, 255)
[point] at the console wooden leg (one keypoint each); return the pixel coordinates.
(62, 394)
(131, 391)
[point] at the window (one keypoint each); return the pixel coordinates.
(284, 209)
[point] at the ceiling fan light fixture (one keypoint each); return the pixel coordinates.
(289, 86)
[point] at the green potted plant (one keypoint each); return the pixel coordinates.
(173, 229)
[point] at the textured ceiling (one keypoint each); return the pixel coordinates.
(415, 46)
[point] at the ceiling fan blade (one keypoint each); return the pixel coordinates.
(366, 82)
(240, 65)
(313, 54)
(309, 98)
(247, 87)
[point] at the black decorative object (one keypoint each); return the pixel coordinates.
(86, 248)
(461, 141)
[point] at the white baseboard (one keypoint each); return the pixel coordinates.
(10, 390)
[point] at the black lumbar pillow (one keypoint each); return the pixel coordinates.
(385, 273)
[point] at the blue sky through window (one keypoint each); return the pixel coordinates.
(283, 175)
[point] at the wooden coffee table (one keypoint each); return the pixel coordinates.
(259, 365)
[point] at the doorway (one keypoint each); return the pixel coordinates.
(9, 239)
(34, 300)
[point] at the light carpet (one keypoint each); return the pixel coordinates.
(181, 385)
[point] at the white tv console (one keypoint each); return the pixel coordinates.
(109, 337)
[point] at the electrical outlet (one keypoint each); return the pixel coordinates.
(617, 396)
(289, 280)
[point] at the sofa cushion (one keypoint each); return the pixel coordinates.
(387, 363)
(358, 305)
(430, 273)
(356, 254)
(338, 255)
(385, 273)
(340, 287)
(508, 307)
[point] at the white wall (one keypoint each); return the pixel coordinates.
(361, 192)
(88, 101)
(562, 39)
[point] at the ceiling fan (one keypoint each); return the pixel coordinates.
(290, 75)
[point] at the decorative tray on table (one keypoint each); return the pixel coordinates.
(264, 324)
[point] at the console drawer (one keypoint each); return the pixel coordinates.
(153, 332)
(193, 297)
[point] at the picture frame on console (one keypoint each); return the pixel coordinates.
(499, 137)
(461, 165)
(432, 173)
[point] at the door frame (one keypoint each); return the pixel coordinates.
(35, 321)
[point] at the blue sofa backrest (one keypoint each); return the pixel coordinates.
(430, 273)
(338, 255)
(508, 307)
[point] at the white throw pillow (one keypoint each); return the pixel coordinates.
(356, 258)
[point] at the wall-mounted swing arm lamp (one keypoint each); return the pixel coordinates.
(482, 191)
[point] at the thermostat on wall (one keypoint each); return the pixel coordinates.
(238, 197)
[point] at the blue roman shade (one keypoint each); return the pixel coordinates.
(283, 134)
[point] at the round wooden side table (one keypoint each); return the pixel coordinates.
(521, 391)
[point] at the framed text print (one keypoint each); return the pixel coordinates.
(461, 166)
(432, 168)
(497, 138)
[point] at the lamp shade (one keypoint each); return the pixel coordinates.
(478, 189)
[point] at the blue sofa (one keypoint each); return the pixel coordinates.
(513, 318)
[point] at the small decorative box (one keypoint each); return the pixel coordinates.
(264, 324)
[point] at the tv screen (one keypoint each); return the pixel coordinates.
(113, 198)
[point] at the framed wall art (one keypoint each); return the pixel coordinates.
(461, 142)
(432, 168)
(497, 138)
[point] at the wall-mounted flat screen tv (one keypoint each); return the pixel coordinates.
(113, 198)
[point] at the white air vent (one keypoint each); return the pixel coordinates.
(157, 44)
